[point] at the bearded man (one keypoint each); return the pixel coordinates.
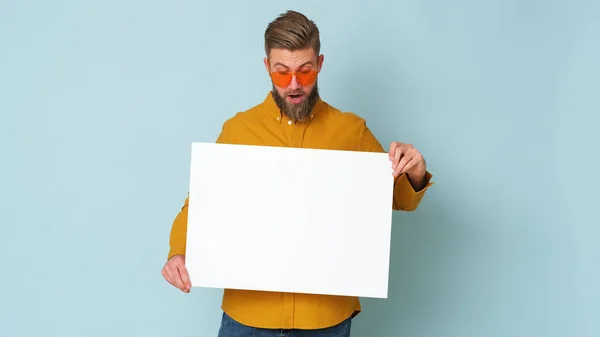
(293, 114)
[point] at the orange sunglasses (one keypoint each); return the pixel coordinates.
(305, 77)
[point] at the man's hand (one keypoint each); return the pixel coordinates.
(176, 273)
(406, 159)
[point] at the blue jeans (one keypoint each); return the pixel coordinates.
(231, 328)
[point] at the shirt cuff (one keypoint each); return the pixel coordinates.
(406, 198)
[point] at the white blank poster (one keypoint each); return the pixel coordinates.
(289, 219)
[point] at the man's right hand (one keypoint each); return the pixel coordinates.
(176, 273)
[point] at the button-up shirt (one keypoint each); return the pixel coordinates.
(327, 128)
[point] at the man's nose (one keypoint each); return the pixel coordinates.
(294, 84)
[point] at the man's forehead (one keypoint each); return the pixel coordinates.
(291, 58)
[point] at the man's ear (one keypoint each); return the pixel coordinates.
(320, 62)
(267, 67)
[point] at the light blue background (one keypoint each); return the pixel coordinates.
(100, 100)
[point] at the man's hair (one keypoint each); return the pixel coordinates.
(292, 31)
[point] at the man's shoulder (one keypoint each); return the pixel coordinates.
(244, 116)
(239, 126)
(342, 116)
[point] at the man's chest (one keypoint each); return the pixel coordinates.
(310, 135)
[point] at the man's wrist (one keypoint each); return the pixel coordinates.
(417, 180)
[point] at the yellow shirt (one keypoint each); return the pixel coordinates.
(328, 128)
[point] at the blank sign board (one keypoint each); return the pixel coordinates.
(289, 220)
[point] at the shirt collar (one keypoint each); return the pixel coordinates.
(276, 113)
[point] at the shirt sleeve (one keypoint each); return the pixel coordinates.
(178, 236)
(406, 198)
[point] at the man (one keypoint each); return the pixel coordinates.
(294, 115)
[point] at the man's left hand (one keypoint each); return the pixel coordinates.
(407, 159)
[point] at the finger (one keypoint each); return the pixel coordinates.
(177, 282)
(185, 278)
(397, 155)
(393, 147)
(402, 164)
(410, 165)
(416, 161)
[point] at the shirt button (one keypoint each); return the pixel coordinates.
(290, 122)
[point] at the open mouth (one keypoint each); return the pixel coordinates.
(295, 98)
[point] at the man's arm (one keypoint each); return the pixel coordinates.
(178, 236)
(174, 270)
(408, 191)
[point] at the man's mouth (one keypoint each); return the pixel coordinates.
(295, 98)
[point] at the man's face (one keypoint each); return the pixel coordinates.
(294, 78)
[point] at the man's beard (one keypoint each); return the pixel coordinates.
(297, 112)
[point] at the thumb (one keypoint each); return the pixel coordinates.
(185, 277)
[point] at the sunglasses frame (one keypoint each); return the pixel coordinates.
(290, 77)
